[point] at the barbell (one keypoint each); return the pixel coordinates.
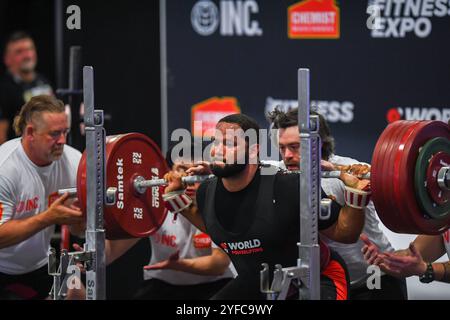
(408, 177)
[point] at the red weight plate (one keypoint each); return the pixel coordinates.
(388, 170)
(81, 183)
(375, 171)
(400, 179)
(425, 131)
(439, 160)
(134, 215)
(377, 176)
(400, 224)
(390, 177)
(379, 179)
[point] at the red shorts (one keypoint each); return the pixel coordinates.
(334, 279)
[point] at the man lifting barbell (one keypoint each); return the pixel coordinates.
(33, 167)
(254, 217)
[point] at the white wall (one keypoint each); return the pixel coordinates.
(416, 289)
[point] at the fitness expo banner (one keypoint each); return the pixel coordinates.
(371, 62)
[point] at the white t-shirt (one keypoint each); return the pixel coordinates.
(24, 192)
(351, 253)
(446, 237)
(192, 243)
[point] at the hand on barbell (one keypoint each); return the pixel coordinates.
(358, 169)
(174, 182)
(174, 178)
(354, 182)
(63, 212)
(350, 174)
(201, 168)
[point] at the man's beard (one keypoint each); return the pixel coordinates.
(228, 170)
(57, 153)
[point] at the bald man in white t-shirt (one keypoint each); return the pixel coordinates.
(32, 168)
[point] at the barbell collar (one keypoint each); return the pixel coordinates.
(141, 185)
(443, 178)
(71, 191)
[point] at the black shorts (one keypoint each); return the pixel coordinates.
(35, 285)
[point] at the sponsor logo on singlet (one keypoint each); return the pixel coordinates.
(202, 241)
(242, 247)
(27, 205)
(169, 240)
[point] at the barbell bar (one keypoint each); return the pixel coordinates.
(405, 159)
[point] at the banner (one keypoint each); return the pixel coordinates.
(371, 62)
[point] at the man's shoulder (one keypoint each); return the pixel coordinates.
(8, 149)
(10, 164)
(336, 159)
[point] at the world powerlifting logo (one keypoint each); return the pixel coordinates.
(409, 113)
(399, 18)
(242, 247)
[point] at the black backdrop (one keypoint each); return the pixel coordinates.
(374, 75)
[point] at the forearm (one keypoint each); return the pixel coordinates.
(348, 227)
(15, 231)
(442, 271)
(430, 247)
(402, 252)
(212, 265)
